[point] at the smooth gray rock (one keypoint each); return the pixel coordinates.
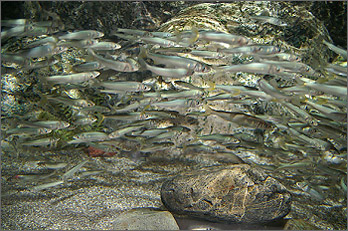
(237, 193)
(145, 219)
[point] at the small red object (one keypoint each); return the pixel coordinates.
(96, 152)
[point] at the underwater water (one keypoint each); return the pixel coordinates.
(96, 120)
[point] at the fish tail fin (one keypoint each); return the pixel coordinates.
(211, 85)
(143, 64)
(195, 36)
(91, 52)
(178, 36)
(91, 55)
(69, 68)
(207, 109)
(274, 84)
(145, 108)
(195, 138)
(43, 99)
(143, 53)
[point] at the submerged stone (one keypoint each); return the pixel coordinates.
(145, 219)
(237, 193)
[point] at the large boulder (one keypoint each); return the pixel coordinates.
(237, 193)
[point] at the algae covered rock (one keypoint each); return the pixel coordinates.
(237, 193)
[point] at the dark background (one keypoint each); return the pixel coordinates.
(332, 13)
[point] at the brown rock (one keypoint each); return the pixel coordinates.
(237, 193)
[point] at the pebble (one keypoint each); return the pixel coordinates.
(145, 219)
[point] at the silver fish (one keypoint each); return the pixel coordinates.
(230, 88)
(73, 78)
(123, 131)
(176, 61)
(330, 113)
(48, 185)
(79, 35)
(279, 57)
(128, 108)
(149, 133)
(161, 34)
(270, 20)
(85, 67)
(311, 142)
(15, 31)
(337, 69)
(132, 31)
(188, 85)
(224, 37)
(253, 49)
(40, 64)
(182, 94)
(310, 190)
(41, 142)
(128, 86)
(207, 54)
(72, 102)
(159, 41)
(166, 72)
(96, 108)
(130, 117)
(125, 36)
(44, 41)
(49, 124)
(28, 131)
(73, 170)
(37, 31)
(13, 58)
(105, 46)
(269, 89)
(333, 90)
(220, 138)
(129, 66)
(240, 119)
(303, 115)
(85, 121)
(42, 51)
(172, 104)
(91, 136)
(86, 43)
(296, 67)
(53, 165)
(165, 135)
(336, 49)
(256, 68)
(14, 22)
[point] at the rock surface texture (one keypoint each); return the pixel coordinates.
(145, 219)
(236, 193)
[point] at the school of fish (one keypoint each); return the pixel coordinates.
(145, 92)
